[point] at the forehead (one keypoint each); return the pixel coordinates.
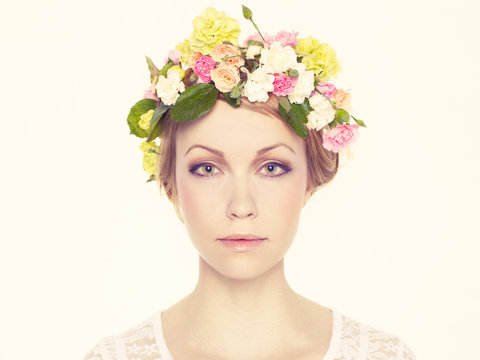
(237, 130)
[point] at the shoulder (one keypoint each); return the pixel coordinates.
(360, 341)
(138, 342)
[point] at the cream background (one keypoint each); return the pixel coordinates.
(88, 249)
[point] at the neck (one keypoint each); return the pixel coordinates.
(233, 299)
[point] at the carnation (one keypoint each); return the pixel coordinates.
(168, 88)
(323, 112)
(327, 89)
(202, 68)
(213, 27)
(343, 99)
(340, 137)
(258, 85)
(320, 58)
(303, 87)
(283, 85)
(150, 156)
(285, 38)
(278, 58)
(145, 119)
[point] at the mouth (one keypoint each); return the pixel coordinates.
(242, 242)
(243, 237)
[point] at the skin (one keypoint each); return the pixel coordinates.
(242, 306)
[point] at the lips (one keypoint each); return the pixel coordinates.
(239, 236)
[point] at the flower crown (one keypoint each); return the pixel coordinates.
(210, 63)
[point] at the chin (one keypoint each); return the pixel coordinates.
(241, 267)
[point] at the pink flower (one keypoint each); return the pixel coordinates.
(327, 89)
(151, 94)
(285, 38)
(340, 137)
(202, 68)
(175, 56)
(283, 85)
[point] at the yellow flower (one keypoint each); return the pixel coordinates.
(184, 48)
(145, 119)
(213, 27)
(150, 156)
(320, 58)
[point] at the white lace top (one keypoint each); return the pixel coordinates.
(351, 340)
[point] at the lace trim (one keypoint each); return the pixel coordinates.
(351, 340)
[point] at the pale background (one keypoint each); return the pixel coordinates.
(89, 250)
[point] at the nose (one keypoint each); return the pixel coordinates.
(241, 202)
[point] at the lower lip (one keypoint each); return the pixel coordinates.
(242, 245)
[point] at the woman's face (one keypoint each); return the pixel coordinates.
(253, 181)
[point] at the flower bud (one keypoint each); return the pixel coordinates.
(247, 13)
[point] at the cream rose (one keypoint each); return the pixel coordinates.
(225, 77)
(226, 50)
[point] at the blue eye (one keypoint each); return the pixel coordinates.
(208, 169)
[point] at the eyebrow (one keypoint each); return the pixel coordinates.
(222, 155)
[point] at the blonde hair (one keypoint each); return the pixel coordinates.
(322, 165)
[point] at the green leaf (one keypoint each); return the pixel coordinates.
(235, 102)
(342, 116)
(156, 124)
(247, 13)
(165, 68)
(154, 72)
(284, 103)
(235, 92)
(194, 102)
(299, 113)
(296, 125)
(254, 42)
(137, 110)
(302, 110)
(359, 122)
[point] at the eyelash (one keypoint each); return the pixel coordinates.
(285, 168)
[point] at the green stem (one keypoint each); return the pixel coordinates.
(258, 30)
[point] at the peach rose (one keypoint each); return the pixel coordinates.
(193, 59)
(225, 77)
(226, 50)
(343, 99)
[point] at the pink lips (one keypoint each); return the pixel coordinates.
(242, 242)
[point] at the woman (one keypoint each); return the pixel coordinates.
(238, 165)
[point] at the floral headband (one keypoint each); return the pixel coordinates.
(211, 62)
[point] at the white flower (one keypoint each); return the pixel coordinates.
(323, 112)
(253, 50)
(258, 85)
(278, 58)
(168, 88)
(303, 87)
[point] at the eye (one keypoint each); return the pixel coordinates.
(272, 167)
(206, 169)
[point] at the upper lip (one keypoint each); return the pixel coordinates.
(239, 236)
